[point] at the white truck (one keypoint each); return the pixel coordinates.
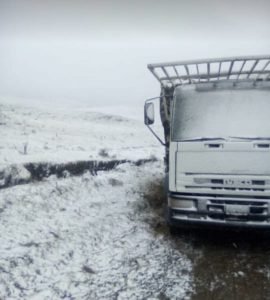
(216, 119)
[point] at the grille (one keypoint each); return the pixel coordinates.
(226, 188)
(242, 184)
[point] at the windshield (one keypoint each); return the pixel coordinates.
(221, 113)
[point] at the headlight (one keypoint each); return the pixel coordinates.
(178, 203)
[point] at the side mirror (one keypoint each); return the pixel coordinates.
(149, 113)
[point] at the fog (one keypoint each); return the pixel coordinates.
(96, 52)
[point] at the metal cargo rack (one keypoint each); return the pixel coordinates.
(211, 70)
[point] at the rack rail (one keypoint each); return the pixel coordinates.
(206, 70)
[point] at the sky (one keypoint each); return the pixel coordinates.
(96, 52)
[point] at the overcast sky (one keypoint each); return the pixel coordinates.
(96, 52)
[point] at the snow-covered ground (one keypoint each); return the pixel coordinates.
(85, 237)
(88, 237)
(32, 133)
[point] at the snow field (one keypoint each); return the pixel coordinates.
(37, 134)
(88, 237)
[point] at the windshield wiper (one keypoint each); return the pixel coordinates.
(202, 139)
(250, 138)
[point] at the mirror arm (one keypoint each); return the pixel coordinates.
(157, 137)
(149, 127)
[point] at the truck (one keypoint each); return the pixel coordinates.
(216, 119)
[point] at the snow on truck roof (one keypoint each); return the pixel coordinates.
(255, 68)
(222, 85)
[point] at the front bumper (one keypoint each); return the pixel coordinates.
(212, 211)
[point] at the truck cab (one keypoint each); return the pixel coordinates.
(216, 123)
